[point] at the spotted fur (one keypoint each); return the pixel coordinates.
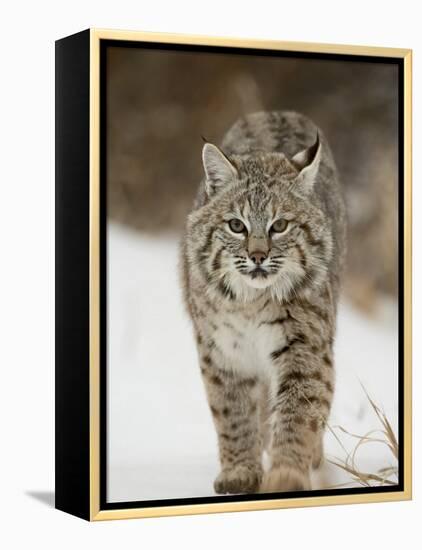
(263, 304)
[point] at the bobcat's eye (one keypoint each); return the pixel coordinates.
(237, 226)
(279, 226)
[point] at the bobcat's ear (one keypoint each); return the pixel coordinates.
(219, 171)
(307, 163)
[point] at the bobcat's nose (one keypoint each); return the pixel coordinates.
(257, 257)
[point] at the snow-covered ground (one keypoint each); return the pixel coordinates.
(161, 440)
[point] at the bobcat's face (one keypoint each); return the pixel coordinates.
(263, 231)
(262, 244)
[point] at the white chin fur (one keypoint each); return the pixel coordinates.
(259, 282)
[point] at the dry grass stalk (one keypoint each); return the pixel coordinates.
(383, 436)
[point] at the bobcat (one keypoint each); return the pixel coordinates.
(262, 258)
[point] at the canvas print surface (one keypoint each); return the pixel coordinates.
(252, 273)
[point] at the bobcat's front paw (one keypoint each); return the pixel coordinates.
(284, 478)
(241, 479)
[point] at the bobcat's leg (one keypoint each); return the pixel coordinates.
(264, 417)
(300, 403)
(233, 401)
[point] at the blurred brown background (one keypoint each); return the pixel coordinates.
(159, 103)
